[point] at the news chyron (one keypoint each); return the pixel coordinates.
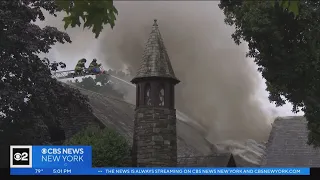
(49, 156)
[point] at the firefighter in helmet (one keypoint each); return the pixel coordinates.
(80, 66)
(94, 66)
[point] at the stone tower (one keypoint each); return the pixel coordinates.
(155, 136)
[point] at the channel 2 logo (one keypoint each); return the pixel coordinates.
(20, 156)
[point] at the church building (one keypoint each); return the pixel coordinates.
(155, 136)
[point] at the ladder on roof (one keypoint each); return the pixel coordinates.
(71, 74)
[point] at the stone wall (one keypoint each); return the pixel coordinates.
(193, 162)
(155, 139)
(216, 160)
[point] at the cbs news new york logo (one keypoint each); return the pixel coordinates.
(20, 156)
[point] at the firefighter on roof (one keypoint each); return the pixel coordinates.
(94, 66)
(80, 66)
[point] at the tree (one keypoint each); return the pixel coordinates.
(109, 149)
(32, 103)
(93, 13)
(289, 5)
(286, 49)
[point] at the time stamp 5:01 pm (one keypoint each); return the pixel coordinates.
(55, 171)
(61, 171)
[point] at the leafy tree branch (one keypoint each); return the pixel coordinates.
(291, 6)
(94, 14)
(286, 48)
(32, 103)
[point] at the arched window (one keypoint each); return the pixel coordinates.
(138, 95)
(172, 96)
(147, 95)
(161, 95)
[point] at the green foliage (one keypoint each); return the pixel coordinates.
(33, 103)
(290, 5)
(94, 14)
(286, 49)
(108, 147)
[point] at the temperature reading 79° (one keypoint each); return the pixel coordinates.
(38, 171)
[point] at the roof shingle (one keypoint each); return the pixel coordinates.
(155, 60)
(287, 145)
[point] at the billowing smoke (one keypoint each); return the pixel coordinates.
(218, 83)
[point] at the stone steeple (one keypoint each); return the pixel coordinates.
(155, 136)
(155, 60)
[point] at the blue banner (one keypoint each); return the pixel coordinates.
(50, 157)
(76, 160)
(160, 171)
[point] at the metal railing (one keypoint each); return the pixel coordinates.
(71, 73)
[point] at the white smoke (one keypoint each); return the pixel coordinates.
(219, 85)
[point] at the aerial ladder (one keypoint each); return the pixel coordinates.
(71, 73)
(67, 74)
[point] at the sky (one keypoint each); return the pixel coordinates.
(220, 88)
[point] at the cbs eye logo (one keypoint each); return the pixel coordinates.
(20, 156)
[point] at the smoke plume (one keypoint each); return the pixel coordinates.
(219, 84)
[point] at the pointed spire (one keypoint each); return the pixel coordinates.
(155, 60)
(155, 23)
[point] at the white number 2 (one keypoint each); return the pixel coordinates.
(24, 156)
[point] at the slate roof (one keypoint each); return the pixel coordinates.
(119, 115)
(213, 160)
(287, 145)
(192, 146)
(155, 60)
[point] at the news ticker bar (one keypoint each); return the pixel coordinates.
(160, 171)
(77, 160)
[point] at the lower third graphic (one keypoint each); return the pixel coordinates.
(20, 156)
